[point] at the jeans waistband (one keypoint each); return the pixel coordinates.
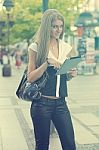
(53, 99)
(50, 102)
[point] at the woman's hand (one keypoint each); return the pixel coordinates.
(54, 63)
(73, 72)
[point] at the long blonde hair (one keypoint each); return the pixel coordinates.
(42, 37)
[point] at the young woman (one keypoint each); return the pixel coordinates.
(47, 52)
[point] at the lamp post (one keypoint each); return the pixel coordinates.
(8, 4)
(45, 5)
(2, 34)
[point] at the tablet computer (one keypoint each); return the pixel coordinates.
(68, 65)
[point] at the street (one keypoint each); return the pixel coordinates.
(15, 122)
(84, 106)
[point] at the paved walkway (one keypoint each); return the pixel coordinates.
(15, 122)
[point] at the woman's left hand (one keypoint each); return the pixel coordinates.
(73, 72)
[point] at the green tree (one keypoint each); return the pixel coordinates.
(27, 15)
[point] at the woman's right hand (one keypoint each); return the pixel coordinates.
(54, 63)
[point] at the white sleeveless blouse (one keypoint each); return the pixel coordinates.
(64, 50)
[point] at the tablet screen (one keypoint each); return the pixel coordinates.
(68, 65)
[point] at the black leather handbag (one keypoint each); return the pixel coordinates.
(30, 91)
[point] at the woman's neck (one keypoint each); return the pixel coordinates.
(54, 47)
(53, 42)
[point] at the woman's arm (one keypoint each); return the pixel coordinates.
(33, 72)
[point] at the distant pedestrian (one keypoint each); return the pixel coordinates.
(18, 60)
(48, 51)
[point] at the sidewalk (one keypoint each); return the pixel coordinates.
(15, 122)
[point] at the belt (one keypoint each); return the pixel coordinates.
(50, 98)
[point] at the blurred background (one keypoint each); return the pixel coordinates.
(19, 20)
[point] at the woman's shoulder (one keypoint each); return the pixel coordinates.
(65, 44)
(33, 46)
(68, 49)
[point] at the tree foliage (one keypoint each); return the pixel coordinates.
(27, 15)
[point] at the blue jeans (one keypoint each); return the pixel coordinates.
(45, 110)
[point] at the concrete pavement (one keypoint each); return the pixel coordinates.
(15, 122)
(84, 106)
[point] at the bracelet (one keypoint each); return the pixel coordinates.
(47, 62)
